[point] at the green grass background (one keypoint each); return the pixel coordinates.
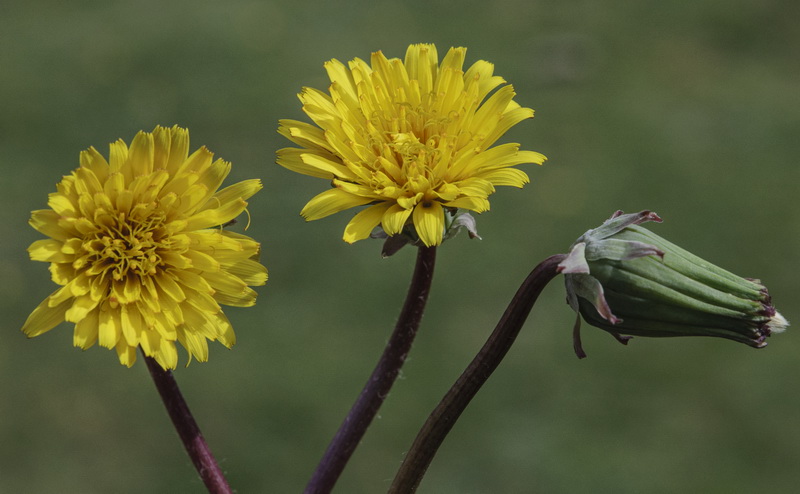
(686, 108)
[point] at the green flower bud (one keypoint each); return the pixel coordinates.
(626, 280)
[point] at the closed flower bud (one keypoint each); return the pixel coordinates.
(626, 280)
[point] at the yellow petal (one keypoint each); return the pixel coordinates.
(86, 330)
(356, 189)
(201, 261)
(171, 310)
(147, 187)
(338, 73)
(195, 344)
(46, 221)
(482, 73)
(110, 326)
(197, 162)
(246, 298)
(62, 204)
(453, 59)
(317, 105)
(161, 144)
(194, 281)
(507, 176)
(44, 318)
(201, 300)
(80, 285)
(410, 202)
(174, 260)
(491, 111)
(394, 219)
(61, 295)
(61, 273)
(292, 159)
(95, 161)
(99, 288)
(166, 283)
(114, 185)
(364, 222)
(531, 157)
(215, 217)
(508, 120)
(222, 281)
(178, 149)
(126, 353)
(251, 272)
(422, 63)
(428, 220)
(213, 177)
(246, 245)
(226, 335)
(150, 342)
(164, 327)
(132, 325)
(117, 156)
(476, 186)
(167, 355)
(326, 165)
(87, 182)
(303, 134)
(447, 192)
(200, 322)
(330, 202)
(80, 308)
(477, 204)
(242, 190)
(125, 201)
(48, 250)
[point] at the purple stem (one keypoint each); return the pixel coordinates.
(187, 429)
(380, 382)
(442, 419)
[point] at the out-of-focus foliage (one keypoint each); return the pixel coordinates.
(685, 108)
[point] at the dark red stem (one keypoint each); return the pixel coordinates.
(380, 382)
(187, 429)
(442, 419)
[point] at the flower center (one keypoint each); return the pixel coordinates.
(415, 146)
(124, 245)
(416, 156)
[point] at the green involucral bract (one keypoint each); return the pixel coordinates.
(626, 280)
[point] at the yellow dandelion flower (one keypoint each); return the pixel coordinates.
(136, 244)
(412, 138)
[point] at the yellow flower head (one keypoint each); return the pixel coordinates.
(412, 138)
(137, 247)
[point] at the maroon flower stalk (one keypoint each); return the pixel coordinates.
(442, 419)
(187, 428)
(380, 382)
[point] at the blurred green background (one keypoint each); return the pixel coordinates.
(687, 108)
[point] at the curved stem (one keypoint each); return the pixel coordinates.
(187, 428)
(380, 382)
(442, 419)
